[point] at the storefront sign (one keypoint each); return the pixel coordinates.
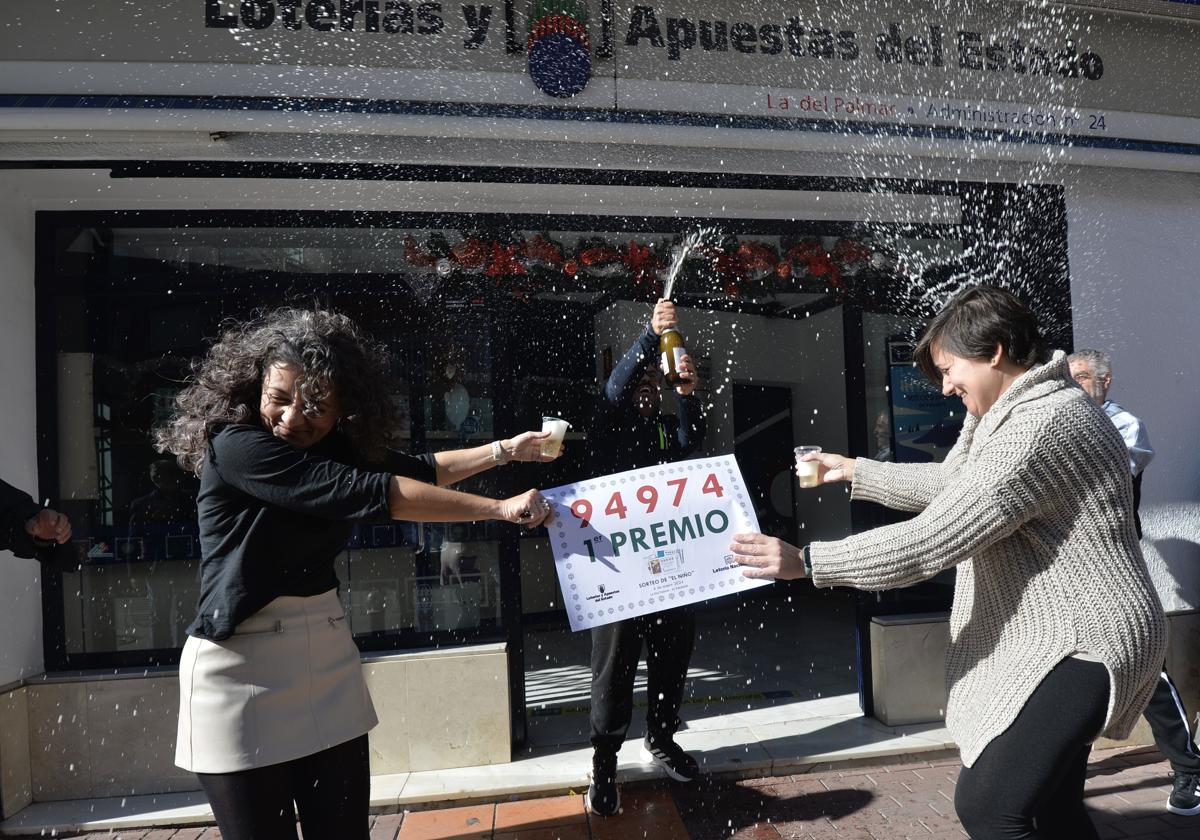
(1009, 71)
(647, 540)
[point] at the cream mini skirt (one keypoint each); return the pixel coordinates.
(288, 683)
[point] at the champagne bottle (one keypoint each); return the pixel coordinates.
(672, 351)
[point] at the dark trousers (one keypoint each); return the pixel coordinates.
(669, 638)
(1028, 782)
(331, 789)
(1169, 723)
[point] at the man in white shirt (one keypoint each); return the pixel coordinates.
(1165, 714)
(1093, 371)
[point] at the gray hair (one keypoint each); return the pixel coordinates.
(1097, 360)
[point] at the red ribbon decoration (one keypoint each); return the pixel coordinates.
(640, 260)
(504, 261)
(759, 259)
(414, 255)
(541, 250)
(848, 251)
(804, 250)
(822, 265)
(600, 255)
(470, 253)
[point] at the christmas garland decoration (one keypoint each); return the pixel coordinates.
(736, 267)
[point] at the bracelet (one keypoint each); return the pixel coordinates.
(498, 454)
(807, 563)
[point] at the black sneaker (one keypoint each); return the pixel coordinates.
(1185, 798)
(669, 756)
(603, 796)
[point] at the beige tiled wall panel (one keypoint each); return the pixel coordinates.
(908, 667)
(16, 778)
(438, 712)
(1183, 659)
(458, 711)
(388, 681)
(105, 738)
(58, 741)
(907, 688)
(1139, 737)
(117, 737)
(132, 743)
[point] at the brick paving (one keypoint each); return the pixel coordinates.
(898, 799)
(1126, 793)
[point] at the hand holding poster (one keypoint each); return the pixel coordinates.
(646, 540)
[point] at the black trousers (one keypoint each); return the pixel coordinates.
(331, 789)
(616, 648)
(1028, 782)
(1169, 722)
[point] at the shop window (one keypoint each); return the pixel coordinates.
(494, 321)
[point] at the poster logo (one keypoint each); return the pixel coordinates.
(603, 593)
(664, 561)
(560, 54)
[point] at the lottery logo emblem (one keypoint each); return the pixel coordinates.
(664, 561)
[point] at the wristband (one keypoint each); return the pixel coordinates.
(499, 456)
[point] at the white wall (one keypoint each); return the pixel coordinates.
(1134, 242)
(20, 586)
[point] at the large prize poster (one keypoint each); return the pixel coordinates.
(646, 540)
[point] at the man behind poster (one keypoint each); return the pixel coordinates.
(631, 432)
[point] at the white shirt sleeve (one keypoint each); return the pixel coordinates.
(1133, 432)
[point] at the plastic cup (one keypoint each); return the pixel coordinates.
(557, 427)
(807, 471)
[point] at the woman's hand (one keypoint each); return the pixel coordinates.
(767, 557)
(664, 317)
(687, 372)
(832, 467)
(527, 446)
(529, 509)
(49, 525)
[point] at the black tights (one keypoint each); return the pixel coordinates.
(1028, 782)
(331, 789)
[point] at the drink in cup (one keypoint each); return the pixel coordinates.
(808, 471)
(557, 427)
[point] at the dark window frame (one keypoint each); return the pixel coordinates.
(979, 203)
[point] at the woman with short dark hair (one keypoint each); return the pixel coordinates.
(1056, 632)
(288, 422)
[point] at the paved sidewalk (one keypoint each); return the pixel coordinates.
(1126, 793)
(896, 800)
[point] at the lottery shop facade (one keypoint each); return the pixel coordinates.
(492, 190)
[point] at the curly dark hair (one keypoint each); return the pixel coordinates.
(335, 355)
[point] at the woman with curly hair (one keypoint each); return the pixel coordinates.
(287, 422)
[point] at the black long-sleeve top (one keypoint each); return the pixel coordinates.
(621, 438)
(274, 517)
(16, 508)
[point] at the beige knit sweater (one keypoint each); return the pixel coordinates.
(1035, 506)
